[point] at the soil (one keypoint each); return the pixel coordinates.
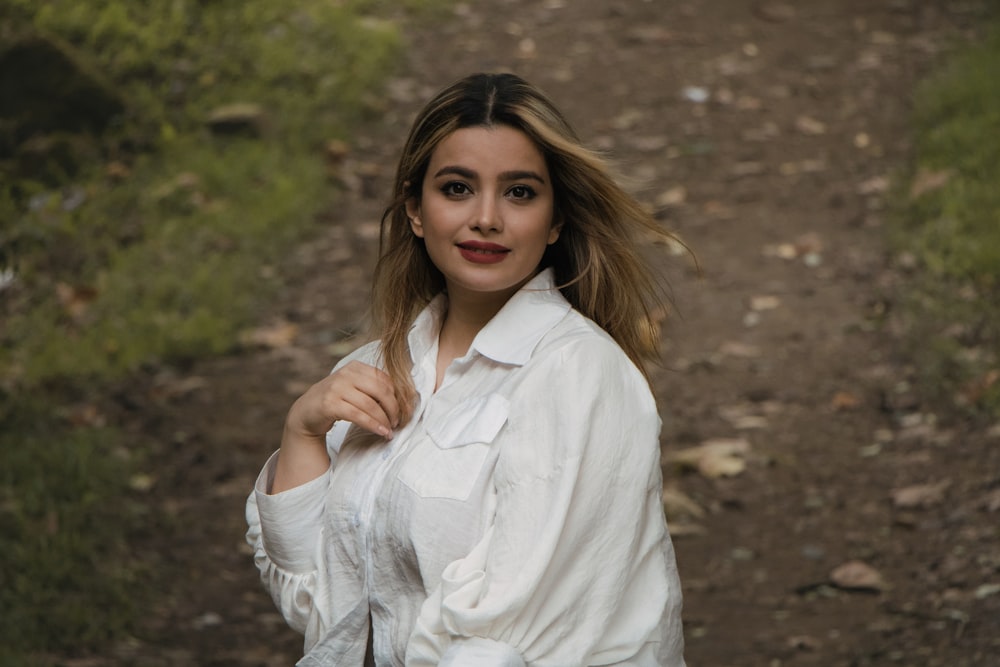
(786, 341)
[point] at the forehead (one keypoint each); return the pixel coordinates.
(489, 149)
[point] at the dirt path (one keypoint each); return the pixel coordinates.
(774, 180)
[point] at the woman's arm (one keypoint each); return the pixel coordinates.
(356, 393)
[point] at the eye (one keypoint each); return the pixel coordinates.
(455, 189)
(521, 192)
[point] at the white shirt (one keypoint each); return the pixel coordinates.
(515, 520)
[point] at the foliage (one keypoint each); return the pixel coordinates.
(151, 243)
(160, 261)
(948, 221)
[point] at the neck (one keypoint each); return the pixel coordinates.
(467, 314)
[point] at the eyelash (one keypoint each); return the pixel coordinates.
(449, 189)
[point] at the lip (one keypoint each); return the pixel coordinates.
(481, 252)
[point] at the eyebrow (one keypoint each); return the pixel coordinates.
(514, 175)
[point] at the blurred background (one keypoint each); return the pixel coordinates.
(190, 193)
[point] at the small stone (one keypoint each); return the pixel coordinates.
(207, 620)
(857, 576)
(920, 496)
(987, 590)
(695, 94)
(239, 118)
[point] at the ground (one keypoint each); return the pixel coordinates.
(764, 134)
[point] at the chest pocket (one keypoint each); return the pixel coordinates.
(447, 463)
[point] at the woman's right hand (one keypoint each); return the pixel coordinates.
(358, 393)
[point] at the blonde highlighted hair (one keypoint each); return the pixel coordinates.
(596, 259)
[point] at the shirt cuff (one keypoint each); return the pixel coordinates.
(291, 521)
(480, 652)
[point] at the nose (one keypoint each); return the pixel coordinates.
(487, 216)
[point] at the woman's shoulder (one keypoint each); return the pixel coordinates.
(580, 356)
(578, 338)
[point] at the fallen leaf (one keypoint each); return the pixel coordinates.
(627, 119)
(527, 49)
(741, 169)
(810, 126)
(75, 299)
(920, 496)
(883, 38)
(844, 400)
(857, 576)
(739, 350)
(765, 302)
(721, 457)
(685, 529)
(743, 416)
(781, 250)
(987, 590)
(141, 482)
(87, 415)
(873, 186)
(775, 12)
(991, 501)
(649, 144)
(927, 181)
(718, 210)
(672, 196)
(278, 335)
(804, 643)
(677, 504)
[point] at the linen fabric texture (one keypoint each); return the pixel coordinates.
(515, 520)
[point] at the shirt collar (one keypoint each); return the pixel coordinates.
(513, 333)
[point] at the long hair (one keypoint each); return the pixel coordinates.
(596, 259)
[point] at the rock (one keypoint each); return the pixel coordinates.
(920, 496)
(857, 576)
(48, 87)
(244, 118)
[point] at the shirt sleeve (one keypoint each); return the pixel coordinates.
(285, 531)
(577, 567)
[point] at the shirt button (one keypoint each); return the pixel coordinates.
(356, 520)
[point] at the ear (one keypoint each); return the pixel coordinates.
(557, 225)
(413, 215)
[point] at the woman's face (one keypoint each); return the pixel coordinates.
(486, 210)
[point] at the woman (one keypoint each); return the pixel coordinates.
(481, 485)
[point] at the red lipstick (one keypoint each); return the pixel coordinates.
(481, 252)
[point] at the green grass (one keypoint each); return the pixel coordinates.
(65, 580)
(952, 229)
(152, 243)
(168, 256)
(167, 269)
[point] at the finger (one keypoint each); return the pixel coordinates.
(365, 412)
(378, 385)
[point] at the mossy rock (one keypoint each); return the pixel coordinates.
(48, 87)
